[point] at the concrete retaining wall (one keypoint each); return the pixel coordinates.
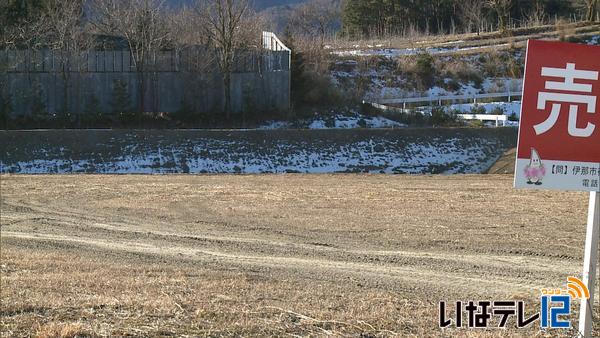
(85, 83)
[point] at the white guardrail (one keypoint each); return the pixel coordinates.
(391, 104)
(441, 98)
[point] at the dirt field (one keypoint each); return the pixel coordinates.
(281, 255)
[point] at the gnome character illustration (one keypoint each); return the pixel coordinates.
(535, 171)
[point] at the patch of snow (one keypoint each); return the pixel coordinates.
(345, 122)
(452, 42)
(469, 89)
(339, 121)
(382, 83)
(355, 121)
(437, 91)
(501, 84)
(396, 52)
(382, 122)
(317, 124)
(274, 125)
(386, 52)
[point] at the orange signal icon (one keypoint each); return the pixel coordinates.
(577, 289)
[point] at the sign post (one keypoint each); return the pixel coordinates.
(589, 264)
(559, 137)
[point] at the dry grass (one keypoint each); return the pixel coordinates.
(123, 294)
(275, 255)
(60, 330)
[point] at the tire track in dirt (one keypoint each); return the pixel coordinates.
(422, 277)
(340, 229)
(497, 272)
(231, 243)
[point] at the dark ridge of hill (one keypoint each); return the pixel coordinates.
(262, 4)
(277, 11)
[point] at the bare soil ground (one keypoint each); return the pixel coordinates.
(216, 255)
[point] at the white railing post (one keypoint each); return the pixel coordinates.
(272, 42)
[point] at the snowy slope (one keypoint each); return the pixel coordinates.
(320, 151)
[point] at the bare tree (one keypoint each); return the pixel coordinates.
(591, 10)
(472, 13)
(502, 9)
(142, 24)
(63, 31)
(231, 27)
(537, 15)
(316, 18)
(184, 27)
(194, 55)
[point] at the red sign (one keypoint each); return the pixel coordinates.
(559, 133)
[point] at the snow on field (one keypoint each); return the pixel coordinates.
(349, 122)
(405, 151)
(339, 121)
(445, 157)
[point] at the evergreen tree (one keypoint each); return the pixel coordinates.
(364, 18)
(120, 98)
(15, 12)
(356, 17)
(36, 100)
(5, 110)
(299, 85)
